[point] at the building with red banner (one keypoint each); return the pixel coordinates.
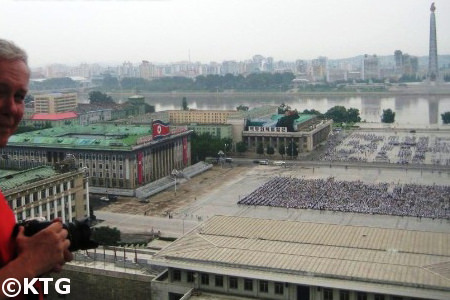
(118, 159)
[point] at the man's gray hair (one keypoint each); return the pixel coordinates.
(9, 51)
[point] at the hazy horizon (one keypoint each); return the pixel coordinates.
(167, 31)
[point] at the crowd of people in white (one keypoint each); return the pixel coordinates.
(354, 196)
(371, 147)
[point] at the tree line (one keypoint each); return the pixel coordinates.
(212, 83)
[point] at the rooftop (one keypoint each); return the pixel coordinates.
(294, 251)
(99, 136)
(10, 180)
(55, 117)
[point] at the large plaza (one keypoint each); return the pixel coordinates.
(391, 145)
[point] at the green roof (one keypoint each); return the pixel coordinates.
(98, 136)
(10, 180)
(302, 118)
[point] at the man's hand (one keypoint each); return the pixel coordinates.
(45, 251)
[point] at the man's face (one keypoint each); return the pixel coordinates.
(14, 77)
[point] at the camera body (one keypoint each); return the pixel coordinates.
(79, 232)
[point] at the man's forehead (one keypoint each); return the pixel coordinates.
(14, 68)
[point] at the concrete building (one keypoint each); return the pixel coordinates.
(183, 117)
(55, 103)
(309, 133)
(319, 69)
(118, 159)
(45, 192)
(370, 67)
(224, 131)
(272, 259)
(90, 115)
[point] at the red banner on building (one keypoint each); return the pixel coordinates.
(160, 129)
(185, 151)
(140, 168)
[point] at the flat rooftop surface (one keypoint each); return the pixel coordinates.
(93, 136)
(393, 257)
(13, 179)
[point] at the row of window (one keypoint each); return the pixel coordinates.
(263, 286)
(44, 193)
(100, 166)
(233, 282)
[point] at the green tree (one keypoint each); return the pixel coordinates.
(292, 149)
(312, 112)
(446, 117)
(205, 145)
(283, 108)
(337, 113)
(353, 115)
(388, 116)
(270, 150)
(184, 104)
(97, 97)
(282, 150)
(241, 147)
(260, 149)
(242, 108)
(105, 235)
(288, 121)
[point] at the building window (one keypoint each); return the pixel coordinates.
(344, 295)
(190, 276)
(378, 297)
(327, 294)
(361, 296)
(219, 280)
(176, 275)
(279, 288)
(263, 286)
(233, 282)
(204, 279)
(248, 284)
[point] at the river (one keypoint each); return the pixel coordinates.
(420, 110)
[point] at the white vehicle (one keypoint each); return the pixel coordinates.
(264, 162)
(279, 163)
(105, 199)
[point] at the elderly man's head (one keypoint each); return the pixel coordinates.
(14, 77)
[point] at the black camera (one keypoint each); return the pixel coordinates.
(79, 232)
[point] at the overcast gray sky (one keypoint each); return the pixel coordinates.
(164, 31)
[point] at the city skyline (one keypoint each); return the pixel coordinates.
(73, 32)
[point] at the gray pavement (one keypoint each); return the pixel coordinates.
(223, 200)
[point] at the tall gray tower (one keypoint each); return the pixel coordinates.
(433, 74)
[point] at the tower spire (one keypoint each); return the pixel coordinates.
(433, 74)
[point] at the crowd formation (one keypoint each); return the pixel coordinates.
(354, 196)
(370, 147)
